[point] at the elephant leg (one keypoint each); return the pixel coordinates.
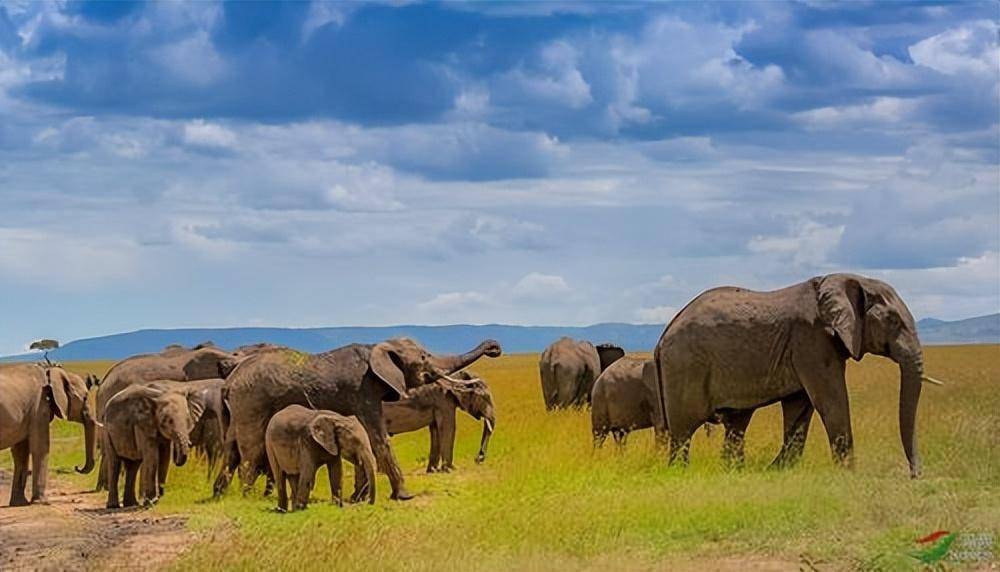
(114, 467)
(600, 435)
(446, 434)
(335, 471)
(20, 452)
(619, 435)
(434, 458)
(797, 411)
(280, 481)
(131, 471)
(150, 464)
(827, 390)
(102, 467)
(307, 477)
(736, 423)
(229, 467)
(386, 459)
(38, 443)
(163, 465)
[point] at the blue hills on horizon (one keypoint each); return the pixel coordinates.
(443, 339)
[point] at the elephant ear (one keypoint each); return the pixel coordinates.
(841, 302)
(55, 385)
(387, 366)
(324, 431)
(197, 401)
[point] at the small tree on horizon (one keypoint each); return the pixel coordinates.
(45, 346)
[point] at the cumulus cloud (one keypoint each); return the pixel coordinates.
(968, 49)
(538, 286)
(199, 133)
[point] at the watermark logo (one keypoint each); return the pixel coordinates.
(942, 545)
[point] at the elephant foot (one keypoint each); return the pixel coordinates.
(19, 501)
(112, 505)
(401, 495)
(280, 510)
(40, 500)
(432, 469)
(447, 468)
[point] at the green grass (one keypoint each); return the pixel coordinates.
(545, 500)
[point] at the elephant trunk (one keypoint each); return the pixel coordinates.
(181, 449)
(89, 443)
(369, 465)
(911, 370)
(489, 423)
(451, 364)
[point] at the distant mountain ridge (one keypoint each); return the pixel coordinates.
(455, 338)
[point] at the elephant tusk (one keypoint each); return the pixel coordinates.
(459, 381)
(931, 380)
(489, 425)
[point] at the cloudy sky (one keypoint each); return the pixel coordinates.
(296, 164)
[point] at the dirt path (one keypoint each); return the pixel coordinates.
(75, 531)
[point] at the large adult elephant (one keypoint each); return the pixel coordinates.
(569, 368)
(352, 380)
(175, 363)
(30, 395)
(732, 350)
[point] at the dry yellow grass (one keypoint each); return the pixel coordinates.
(545, 501)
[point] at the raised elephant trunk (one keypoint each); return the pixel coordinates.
(451, 364)
(911, 370)
(89, 442)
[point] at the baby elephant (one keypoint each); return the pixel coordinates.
(142, 425)
(624, 399)
(300, 440)
(433, 405)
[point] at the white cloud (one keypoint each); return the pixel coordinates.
(968, 49)
(200, 133)
(655, 314)
(880, 111)
(538, 286)
(65, 263)
(807, 243)
(192, 60)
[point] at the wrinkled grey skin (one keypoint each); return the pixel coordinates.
(352, 380)
(433, 405)
(174, 363)
(624, 399)
(299, 441)
(208, 433)
(569, 368)
(143, 424)
(732, 350)
(30, 396)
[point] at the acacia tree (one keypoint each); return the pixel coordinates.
(45, 346)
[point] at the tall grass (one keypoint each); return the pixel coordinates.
(545, 500)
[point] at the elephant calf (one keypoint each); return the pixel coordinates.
(142, 424)
(433, 405)
(624, 399)
(299, 440)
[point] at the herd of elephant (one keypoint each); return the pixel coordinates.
(260, 409)
(272, 410)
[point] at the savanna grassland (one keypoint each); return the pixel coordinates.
(544, 500)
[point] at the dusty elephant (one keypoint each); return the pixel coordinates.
(174, 363)
(30, 395)
(299, 441)
(433, 405)
(569, 368)
(143, 425)
(625, 399)
(732, 350)
(352, 380)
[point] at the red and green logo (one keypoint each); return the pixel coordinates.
(934, 546)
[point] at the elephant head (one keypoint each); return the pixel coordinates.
(868, 316)
(609, 354)
(474, 397)
(69, 398)
(206, 361)
(401, 363)
(338, 439)
(177, 413)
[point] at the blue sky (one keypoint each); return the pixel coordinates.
(297, 164)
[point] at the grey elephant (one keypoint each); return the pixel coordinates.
(30, 395)
(175, 363)
(433, 405)
(569, 368)
(144, 425)
(352, 380)
(299, 441)
(732, 350)
(624, 399)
